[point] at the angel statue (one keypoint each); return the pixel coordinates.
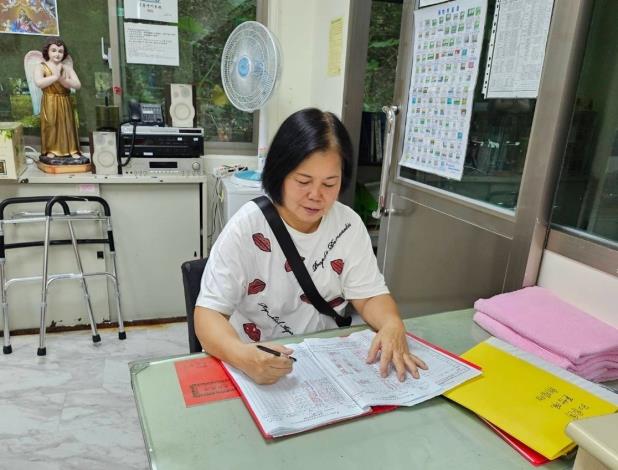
(51, 77)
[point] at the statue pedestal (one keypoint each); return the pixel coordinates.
(83, 168)
(64, 164)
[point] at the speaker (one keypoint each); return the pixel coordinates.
(180, 99)
(103, 148)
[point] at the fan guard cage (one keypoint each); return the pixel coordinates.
(250, 66)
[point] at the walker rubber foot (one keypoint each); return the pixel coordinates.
(122, 335)
(7, 349)
(41, 351)
(96, 338)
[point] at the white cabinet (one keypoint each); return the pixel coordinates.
(157, 225)
(156, 228)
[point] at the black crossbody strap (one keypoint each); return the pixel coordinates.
(296, 262)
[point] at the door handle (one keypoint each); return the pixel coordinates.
(389, 135)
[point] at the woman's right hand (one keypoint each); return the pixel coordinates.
(265, 368)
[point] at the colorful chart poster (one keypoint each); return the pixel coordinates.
(447, 50)
(38, 17)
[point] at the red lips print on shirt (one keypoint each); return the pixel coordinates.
(336, 302)
(261, 241)
(256, 286)
(253, 332)
(333, 303)
(337, 265)
(287, 266)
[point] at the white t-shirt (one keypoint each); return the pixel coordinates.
(247, 275)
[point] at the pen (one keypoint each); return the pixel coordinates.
(273, 352)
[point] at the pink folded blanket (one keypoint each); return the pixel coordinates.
(599, 369)
(542, 318)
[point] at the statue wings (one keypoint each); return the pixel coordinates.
(32, 60)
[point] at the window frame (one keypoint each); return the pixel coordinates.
(210, 148)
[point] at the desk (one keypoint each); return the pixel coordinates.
(436, 434)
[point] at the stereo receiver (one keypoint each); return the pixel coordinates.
(161, 142)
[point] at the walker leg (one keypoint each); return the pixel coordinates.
(6, 348)
(93, 326)
(42, 351)
(121, 333)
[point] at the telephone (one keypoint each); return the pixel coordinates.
(146, 114)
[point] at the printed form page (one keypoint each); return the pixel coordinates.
(304, 399)
(344, 358)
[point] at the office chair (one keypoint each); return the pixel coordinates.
(191, 279)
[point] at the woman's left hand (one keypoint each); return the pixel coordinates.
(390, 341)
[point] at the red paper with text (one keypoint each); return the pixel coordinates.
(203, 380)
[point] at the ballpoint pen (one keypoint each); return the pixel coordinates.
(273, 352)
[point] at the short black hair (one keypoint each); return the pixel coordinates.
(57, 42)
(301, 134)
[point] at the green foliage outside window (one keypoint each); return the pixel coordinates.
(382, 55)
(203, 28)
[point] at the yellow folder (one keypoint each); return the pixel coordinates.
(529, 403)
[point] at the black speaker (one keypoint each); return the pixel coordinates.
(180, 105)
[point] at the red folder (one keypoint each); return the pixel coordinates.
(526, 452)
(203, 380)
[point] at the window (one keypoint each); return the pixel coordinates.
(497, 145)
(83, 38)
(203, 28)
(587, 194)
(382, 49)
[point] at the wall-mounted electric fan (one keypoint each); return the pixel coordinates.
(250, 67)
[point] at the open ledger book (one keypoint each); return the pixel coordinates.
(332, 382)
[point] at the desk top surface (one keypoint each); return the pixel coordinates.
(32, 174)
(436, 434)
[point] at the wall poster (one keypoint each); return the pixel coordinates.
(38, 17)
(445, 64)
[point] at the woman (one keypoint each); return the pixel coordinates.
(248, 292)
(55, 78)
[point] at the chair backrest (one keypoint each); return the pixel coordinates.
(191, 279)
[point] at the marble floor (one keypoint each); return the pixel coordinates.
(74, 409)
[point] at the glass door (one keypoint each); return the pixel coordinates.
(444, 243)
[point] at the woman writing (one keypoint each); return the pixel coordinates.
(248, 292)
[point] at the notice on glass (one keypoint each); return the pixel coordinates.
(165, 11)
(445, 64)
(517, 48)
(335, 37)
(151, 44)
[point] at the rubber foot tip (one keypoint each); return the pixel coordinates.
(96, 338)
(7, 349)
(41, 351)
(122, 335)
